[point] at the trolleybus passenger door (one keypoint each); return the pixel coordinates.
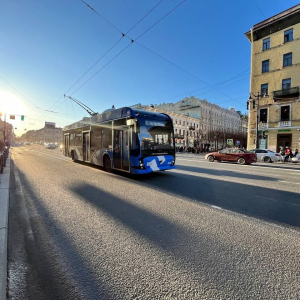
(86, 146)
(67, 144)
(117, 149)
(125, 150)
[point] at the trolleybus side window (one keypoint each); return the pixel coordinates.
(107, 138)
(96, 137)
(78, 138)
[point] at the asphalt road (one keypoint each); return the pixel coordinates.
(202, 231)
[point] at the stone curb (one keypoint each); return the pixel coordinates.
(4, 207)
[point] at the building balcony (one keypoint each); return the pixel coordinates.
(191, 127)
(179, 136)
(263, 125)
(284, 124)
(286, 93)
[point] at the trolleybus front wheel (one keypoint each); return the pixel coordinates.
(107, 164)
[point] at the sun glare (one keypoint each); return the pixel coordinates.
(11, 104)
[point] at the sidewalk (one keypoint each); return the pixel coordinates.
(4, 206)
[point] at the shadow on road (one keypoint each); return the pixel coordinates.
(226, 173)
(252, 200)
(62, 269)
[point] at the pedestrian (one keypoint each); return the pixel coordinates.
(282, 153)
(291, 152)
(296, 152)
(287, 154)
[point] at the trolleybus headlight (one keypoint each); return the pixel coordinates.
(141, 164)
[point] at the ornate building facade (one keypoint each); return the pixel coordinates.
(202, 123)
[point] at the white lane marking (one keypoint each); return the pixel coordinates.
(277, 200)
(252, 166)
(218, 207)
(289, 182)
(152, 187)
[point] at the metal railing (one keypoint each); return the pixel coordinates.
(284, 124)
(286, 92)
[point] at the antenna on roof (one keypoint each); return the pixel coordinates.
(85, 107)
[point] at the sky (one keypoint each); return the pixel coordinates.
(180, 49)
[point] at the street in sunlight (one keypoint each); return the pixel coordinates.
(202, 231)
(149, 150)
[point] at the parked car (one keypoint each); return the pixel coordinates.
(27, 143)
(51, 146)
(240, 156)
(266, 155)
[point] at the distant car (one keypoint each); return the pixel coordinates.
(240, 156)
(27, 143)
(51, 146)
(266, 155)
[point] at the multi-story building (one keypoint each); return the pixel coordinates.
(186, 128)
(48, 134)
(274, 117)
(199, 120)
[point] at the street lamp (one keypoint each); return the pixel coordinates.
(255, 102)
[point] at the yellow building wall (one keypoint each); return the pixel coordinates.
(274, 79)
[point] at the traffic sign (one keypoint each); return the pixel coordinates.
(237, 142)
(230, 142)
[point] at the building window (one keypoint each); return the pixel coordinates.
(265, 66)
(288, 35)
(285, 113)
(266, 44)
(264, 89)
(183, 123)
(180, 131)
(179, 122)
(175, 121)
(183, 132)
(287, 59)
(176, 130)
(263, 115)
(286, 83)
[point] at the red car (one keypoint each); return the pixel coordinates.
(240, 156)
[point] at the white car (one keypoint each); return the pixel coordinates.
(265, 155)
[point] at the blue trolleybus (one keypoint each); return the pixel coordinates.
(124, 139)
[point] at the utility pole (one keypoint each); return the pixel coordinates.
(255, 103)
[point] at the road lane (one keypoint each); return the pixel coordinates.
(122, 237)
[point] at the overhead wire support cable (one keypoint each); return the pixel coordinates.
(108, 49)
(135, 40)
(102, 17)
(132, 41)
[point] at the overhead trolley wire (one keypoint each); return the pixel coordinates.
(135, 40)
(207, 87)
(166, 58)
(132, 41)
(106, 51)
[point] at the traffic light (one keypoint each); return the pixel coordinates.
(264, 135)
(253, 104)
(247, 105)
(22, 118)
